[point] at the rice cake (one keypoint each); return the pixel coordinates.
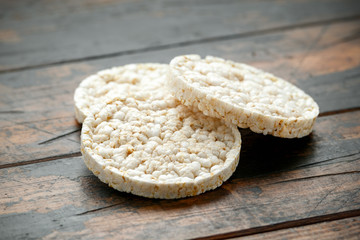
(242, 95)
(117, 81)
(151, 145)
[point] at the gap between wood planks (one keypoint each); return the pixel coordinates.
(316, 176)
(59, 136)
(324, 162)
(46, 159)
(186, 43)
(284, 225)
(324, 114)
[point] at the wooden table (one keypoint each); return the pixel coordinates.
(282, 189)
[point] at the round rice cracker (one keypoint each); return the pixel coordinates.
(158, 148)
(243, 95)
(117, 81)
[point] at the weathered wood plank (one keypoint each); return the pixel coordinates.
(62, 199)
(36, 106)
(39, 32)
(348, 228)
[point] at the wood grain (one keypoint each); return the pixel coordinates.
(36, 33)
(307, 178)
(348, 228)
(36, 106)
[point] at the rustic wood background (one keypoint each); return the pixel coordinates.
(305, 188)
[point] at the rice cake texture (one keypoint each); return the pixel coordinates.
(243, 95)
(117, 81)
(158, 148)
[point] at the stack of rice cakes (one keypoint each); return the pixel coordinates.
(170, 131)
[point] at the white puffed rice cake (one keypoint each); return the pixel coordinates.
(153, 146)
(117, 81)
(243, 95)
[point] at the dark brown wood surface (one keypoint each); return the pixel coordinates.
(348, 228)
(282, 189)
(37, 33)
